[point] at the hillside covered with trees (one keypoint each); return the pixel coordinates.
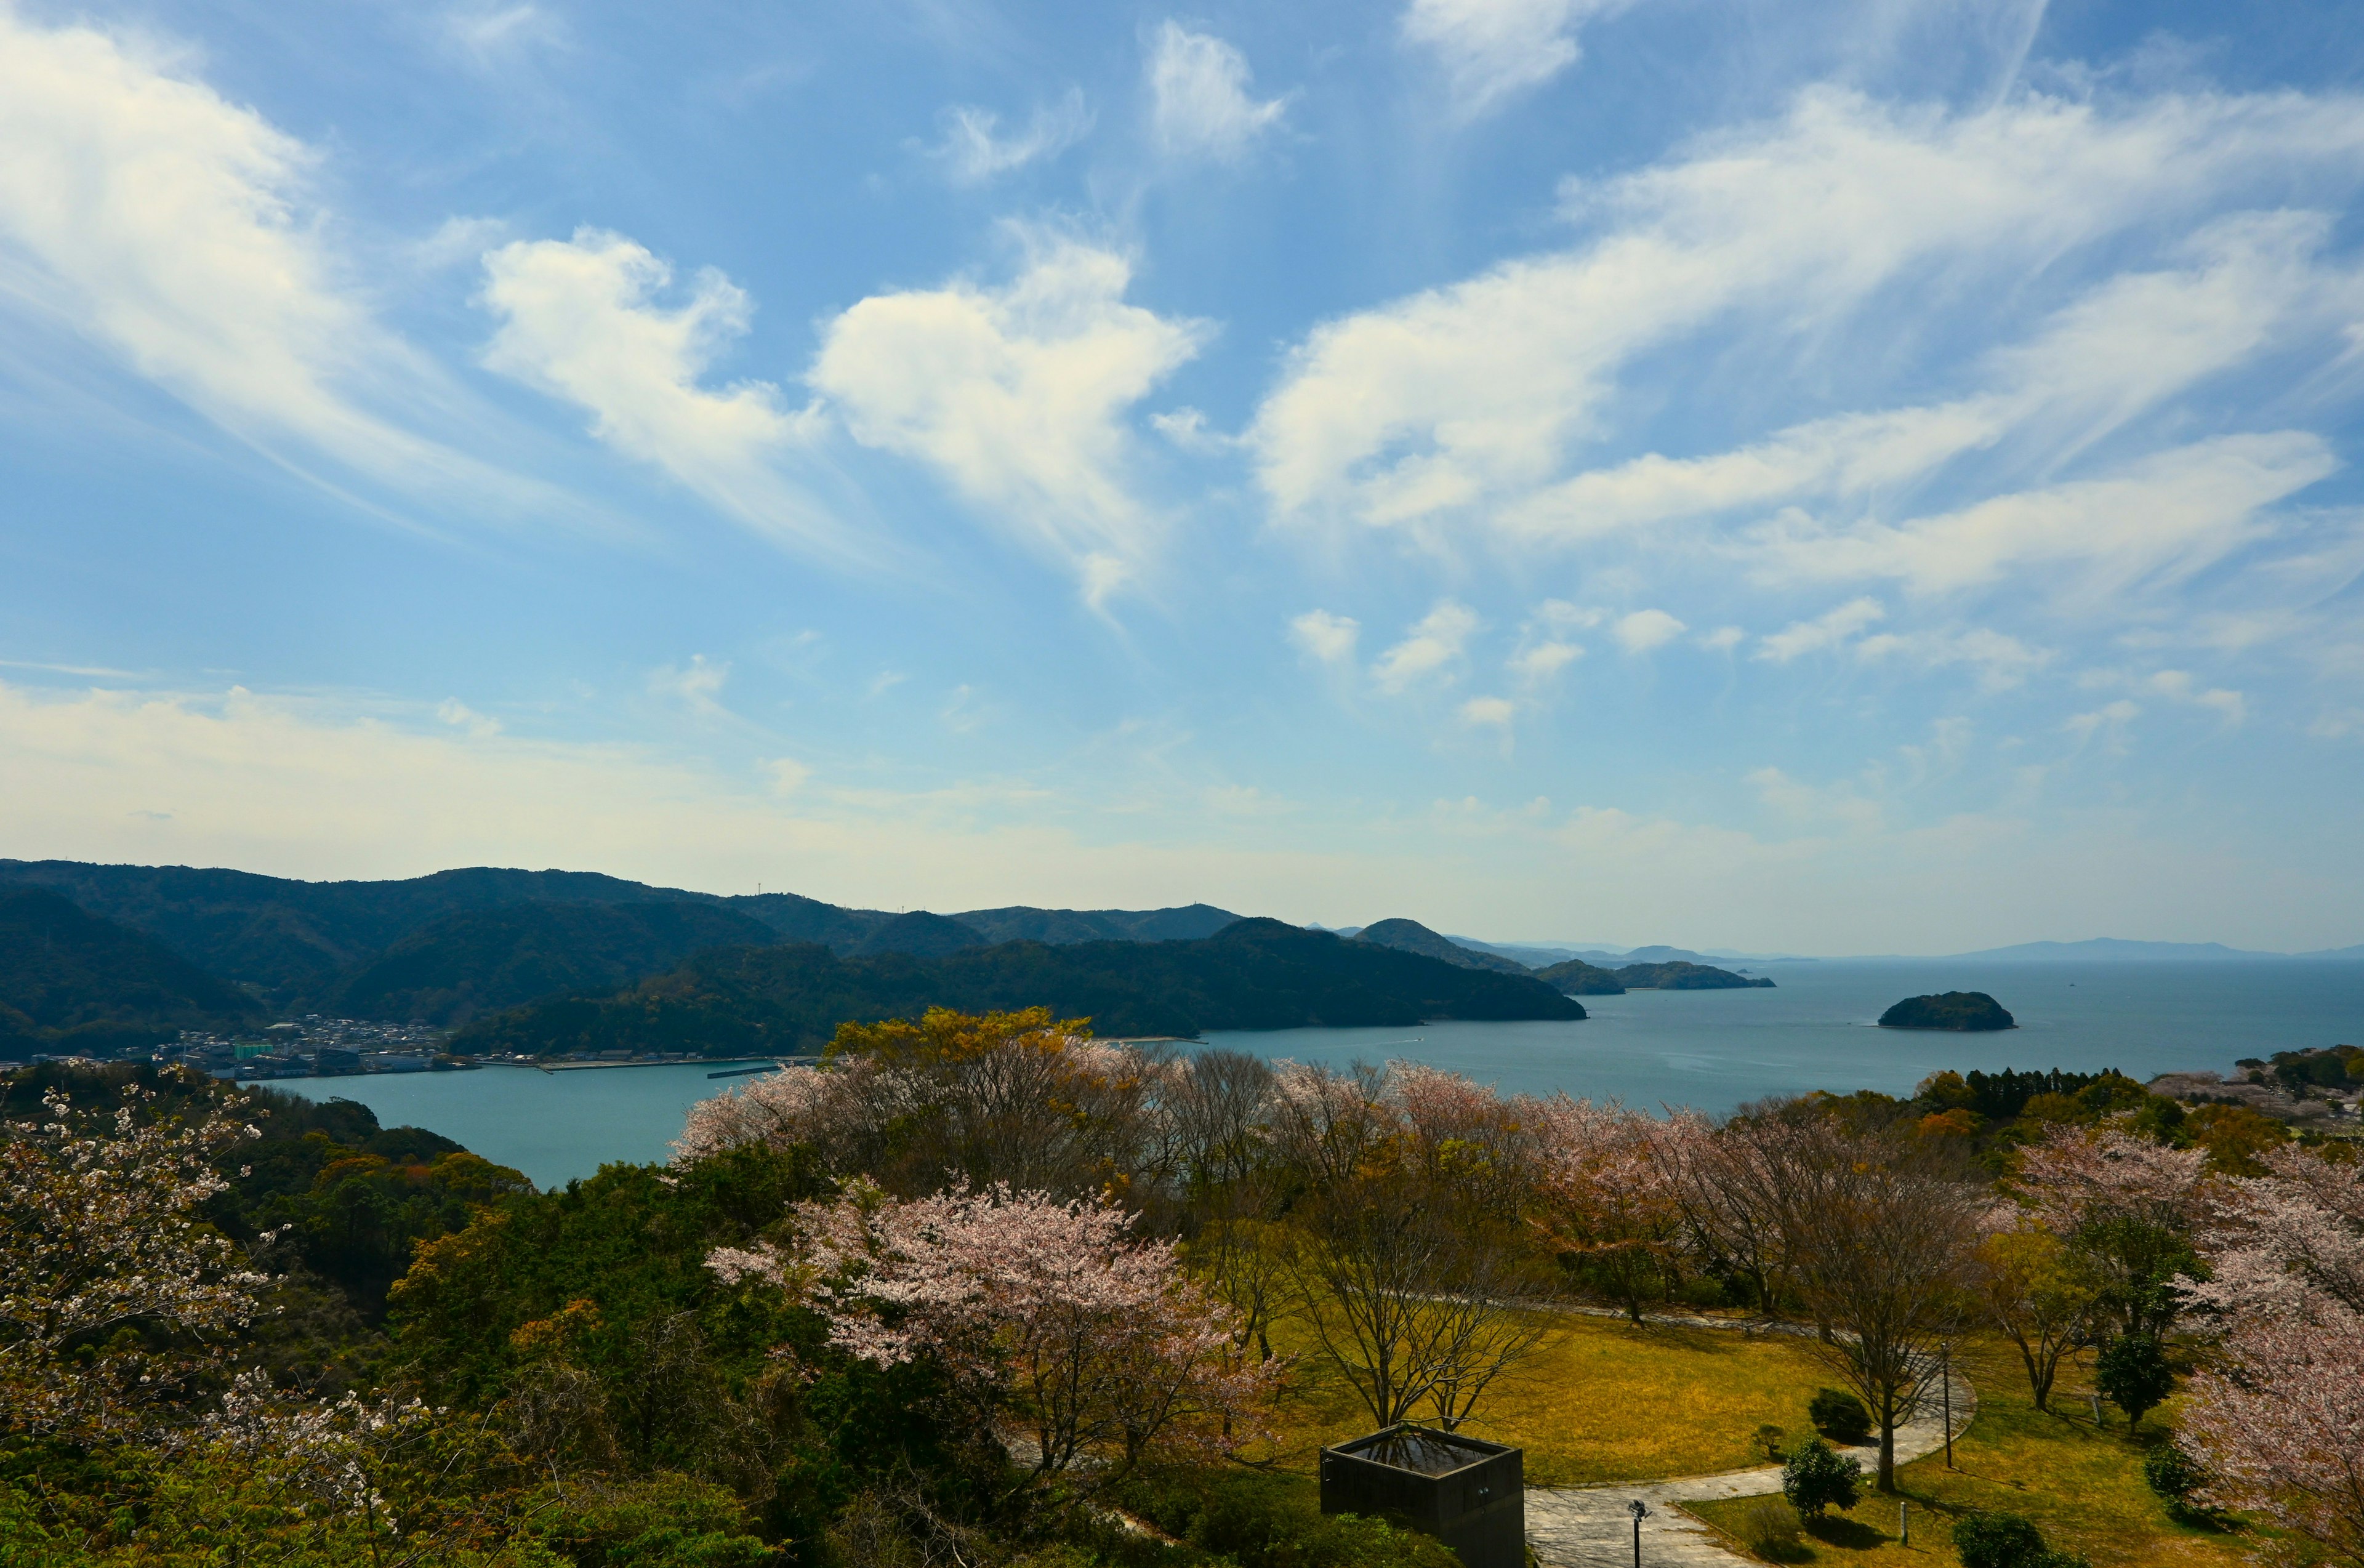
(986, 1285)
(1251, 975)
(71, 981)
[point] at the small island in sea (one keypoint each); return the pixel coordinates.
(1964, 1010)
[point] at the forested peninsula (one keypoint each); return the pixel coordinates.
(1254, 974)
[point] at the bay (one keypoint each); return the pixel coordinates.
(1708, 1049)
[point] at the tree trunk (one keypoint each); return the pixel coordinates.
(1887, 1451)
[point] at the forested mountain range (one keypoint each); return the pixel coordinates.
(319, 945)
(71, 981)
(147, 951)
(1254, 974)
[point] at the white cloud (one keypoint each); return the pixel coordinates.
(144, 212)
(1723, 640)
(1489, 712)
(1826, 630)
(579, 320)
(1186, 429)
(490, 36)
(1434, 646)
(1328, 638)
(2162, 516)
(1645, 629)
(1015, 395)
(2178, 685)
(696, 686)
(2000, 660)
(2112, 718)
(1464, 402)
(1493, 49)
(786, 775)
(460, 716)
(974, 149)
(1544, 659)
(1840, 803)
(2127, 345)
(1199, 105)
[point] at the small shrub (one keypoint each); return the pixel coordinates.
(2133, 1375)
(1768, 1442)
(1768, 1528)
(2006, 1541)
(2171, 1472)
(1817, 1478)
(1839, 1414)
(1261, 1520)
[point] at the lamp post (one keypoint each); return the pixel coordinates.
(1946, 1387)
(1640, 1510)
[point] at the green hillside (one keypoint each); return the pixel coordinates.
(1680, 976)
(1252, 975)
(72, 982)
(480, 961)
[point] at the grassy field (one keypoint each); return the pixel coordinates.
(1600, 1400)
(2083, 1487)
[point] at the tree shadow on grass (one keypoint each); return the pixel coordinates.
(1837, 1529)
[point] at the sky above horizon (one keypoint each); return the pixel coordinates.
(1870, 477)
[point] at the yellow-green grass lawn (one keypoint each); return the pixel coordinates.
(1599, 1400)
(2082, 1487)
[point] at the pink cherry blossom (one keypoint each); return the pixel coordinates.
(1101, 1341)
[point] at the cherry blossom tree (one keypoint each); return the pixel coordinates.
(2277, 1423)
(99, 1232)
(1606, 1194)
(1015, 1098)
(2129, 1206)
(332, 1458)
(1100, 1342)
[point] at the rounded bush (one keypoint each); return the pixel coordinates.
(2006, 1541)
(2171, 1472)
(1840, 1415)
(1818, 1478)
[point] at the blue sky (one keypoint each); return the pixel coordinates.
(1866, 477)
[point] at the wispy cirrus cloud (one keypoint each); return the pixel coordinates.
(1492, 50)
(1456, 412)
(975, 149)
(1200, 102)
(180, 232)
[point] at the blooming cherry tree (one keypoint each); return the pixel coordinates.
(1101, 1343)
(98, 1231)
(2278, 1423)
(2129, 1206)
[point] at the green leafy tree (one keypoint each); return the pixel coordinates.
(1818, 1477)
(2133, 1375)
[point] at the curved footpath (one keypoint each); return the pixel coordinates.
(1590, 1527)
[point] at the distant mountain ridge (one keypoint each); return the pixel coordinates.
(2117, 949)
(1411, 935)
(355, 944)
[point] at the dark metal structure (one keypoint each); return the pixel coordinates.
(1468, 1493)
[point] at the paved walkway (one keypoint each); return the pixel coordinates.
(1589, 1526)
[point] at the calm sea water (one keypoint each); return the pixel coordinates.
(1710, 1050)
